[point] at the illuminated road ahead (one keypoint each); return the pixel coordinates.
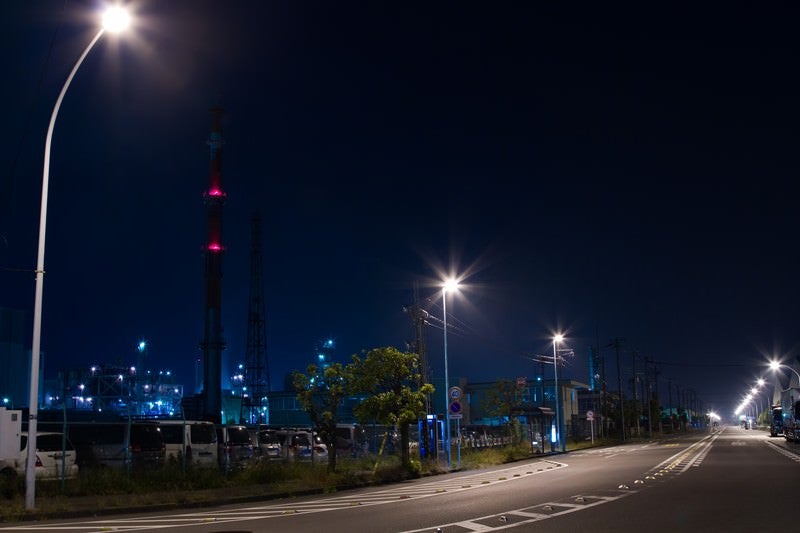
(734, 480)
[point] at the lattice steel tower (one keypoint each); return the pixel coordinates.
(256, 371)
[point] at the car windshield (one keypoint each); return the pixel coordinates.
(147, 436)
(267, 437)
(238, 436)
(172, 433)
(50, 442)
(203, 434)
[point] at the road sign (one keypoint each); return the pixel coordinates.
(590, 415)
(454, 417)
(455, 408)
(455, 393)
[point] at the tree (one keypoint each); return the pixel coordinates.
(391, 378)
(321, 393)
(500, 402)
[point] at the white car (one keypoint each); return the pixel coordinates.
(49, 456)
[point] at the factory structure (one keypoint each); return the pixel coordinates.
(250, 382)
(213, 343)
(131, 385)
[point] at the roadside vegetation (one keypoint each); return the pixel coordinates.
(108, 489)
(171, 486)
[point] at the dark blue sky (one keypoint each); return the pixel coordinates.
(613, 173)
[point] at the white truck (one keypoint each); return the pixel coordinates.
(10, 434)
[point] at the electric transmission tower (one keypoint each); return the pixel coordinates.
(256, 371)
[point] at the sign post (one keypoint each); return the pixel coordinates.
(590, 418)
(454, 412)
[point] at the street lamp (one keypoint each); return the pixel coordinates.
(559, 436)
(775, 365)
(114, 20)
(450, 285)
(756, 401)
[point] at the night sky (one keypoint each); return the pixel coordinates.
(609, 173)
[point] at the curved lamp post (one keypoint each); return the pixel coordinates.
(450, 285)
(775, 365)
(114, 20)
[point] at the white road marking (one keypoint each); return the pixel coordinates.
(284, 508)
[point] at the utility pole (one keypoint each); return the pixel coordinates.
(419, 317)
(648, 394)
(669, 393)
(658, 398)
(615, 343)
(634, 381)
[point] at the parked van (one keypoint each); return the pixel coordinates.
(195, 439)
(103, 444)
(235, 449)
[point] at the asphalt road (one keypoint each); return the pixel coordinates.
(733, 480)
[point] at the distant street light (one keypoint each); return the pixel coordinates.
(756, 401)
(559, 435)
(114, 20)
(450, 285)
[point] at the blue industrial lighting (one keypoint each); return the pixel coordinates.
(142, 346)
(321, 357)
(5, 401)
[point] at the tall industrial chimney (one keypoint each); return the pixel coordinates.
(213, 343)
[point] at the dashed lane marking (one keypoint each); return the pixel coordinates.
(667, 469)
(397, 493)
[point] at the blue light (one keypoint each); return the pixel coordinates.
(321, 357)
(142, 346)
(553, 433)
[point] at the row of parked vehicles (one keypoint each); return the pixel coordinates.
(149, 444)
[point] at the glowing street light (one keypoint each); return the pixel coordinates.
(559, 437)
(450, 285)
(775, 365)
(113, 21)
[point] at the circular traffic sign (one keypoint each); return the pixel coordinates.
(455, 408)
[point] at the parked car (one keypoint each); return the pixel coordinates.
(194, 439)
(235, 449)
(301, 449)
(270, 444)
(54, 455)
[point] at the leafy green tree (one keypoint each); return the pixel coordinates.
(391, 379)
(321, 393)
